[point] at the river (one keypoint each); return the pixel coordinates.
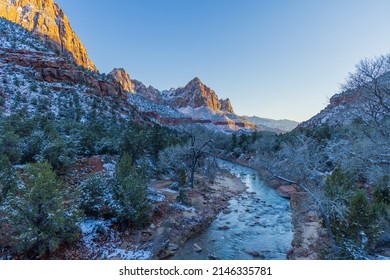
(257, 225)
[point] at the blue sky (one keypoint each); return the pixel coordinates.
(272, 58)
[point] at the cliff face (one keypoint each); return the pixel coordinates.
(226, 106)
(47, 21)
(122, 77)
(196, 94)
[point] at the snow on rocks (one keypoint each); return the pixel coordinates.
(101, 241)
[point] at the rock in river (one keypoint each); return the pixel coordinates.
(197, 248)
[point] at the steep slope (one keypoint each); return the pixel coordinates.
(343, 108)
(48, 22)
(195, 94)
(279, 126)
(122, 77)
(32, 74)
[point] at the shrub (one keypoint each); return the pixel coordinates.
(43, 214)
(133, 207)
(97, 196)
(7, 177)
(9, 146)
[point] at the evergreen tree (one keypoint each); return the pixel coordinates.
(7, 178)
(363, 226)
(43, 214)
(133, 207)
(9, 145)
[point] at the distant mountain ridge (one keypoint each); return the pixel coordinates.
(279, 126)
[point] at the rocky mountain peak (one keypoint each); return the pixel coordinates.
(122, 77)
(196, 94)
(47, 21)
(226, 106)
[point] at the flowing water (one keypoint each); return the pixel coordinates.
(258, 225)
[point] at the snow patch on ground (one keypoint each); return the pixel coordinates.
(103, 242)
(182, 207)
(155, 195)
(110, 167)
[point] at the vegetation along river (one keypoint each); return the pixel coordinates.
(257, 225)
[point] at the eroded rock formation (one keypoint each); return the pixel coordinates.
(46, 20)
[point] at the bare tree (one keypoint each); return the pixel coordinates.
(199, 145)
(371, 82)
(189, 155)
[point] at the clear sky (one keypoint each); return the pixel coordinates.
(273, 58)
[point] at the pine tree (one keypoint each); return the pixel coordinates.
(131, 194)
(43, 214)
(7, 178)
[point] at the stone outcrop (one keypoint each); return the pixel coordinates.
(149, 92)
(226, 106)
(287, 190)
(53, 69)
(48, 22)
(122, 77)
(196, 94)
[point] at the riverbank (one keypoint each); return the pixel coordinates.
(310, 239)
(207, 199)
(171, 223)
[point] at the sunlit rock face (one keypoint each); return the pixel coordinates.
(122, 77)
(196, 103)
(46, 20)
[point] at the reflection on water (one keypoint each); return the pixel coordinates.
(258, 226)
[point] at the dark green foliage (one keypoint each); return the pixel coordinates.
(131, 194)
(234, 141)
(43, 214)
(97, 196)
(9, 146)
(181, 177)
(363, 220)
(243, 142)
(7, 178)
(339, 182)
(359, 229)
(321, 133)
(182, 197)
(382, 190)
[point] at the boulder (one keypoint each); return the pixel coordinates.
(197, 248)
(287, 190)
(224, 227)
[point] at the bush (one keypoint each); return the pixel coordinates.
(7, 178)
(43, 214)
(97, 196)
(133, 207)
(9, 146)
(364, 218)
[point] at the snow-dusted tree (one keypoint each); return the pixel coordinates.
(130, 194)
(7, 177)
(42, 214)
(188, 156)
(371, 83)
(300, 160)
